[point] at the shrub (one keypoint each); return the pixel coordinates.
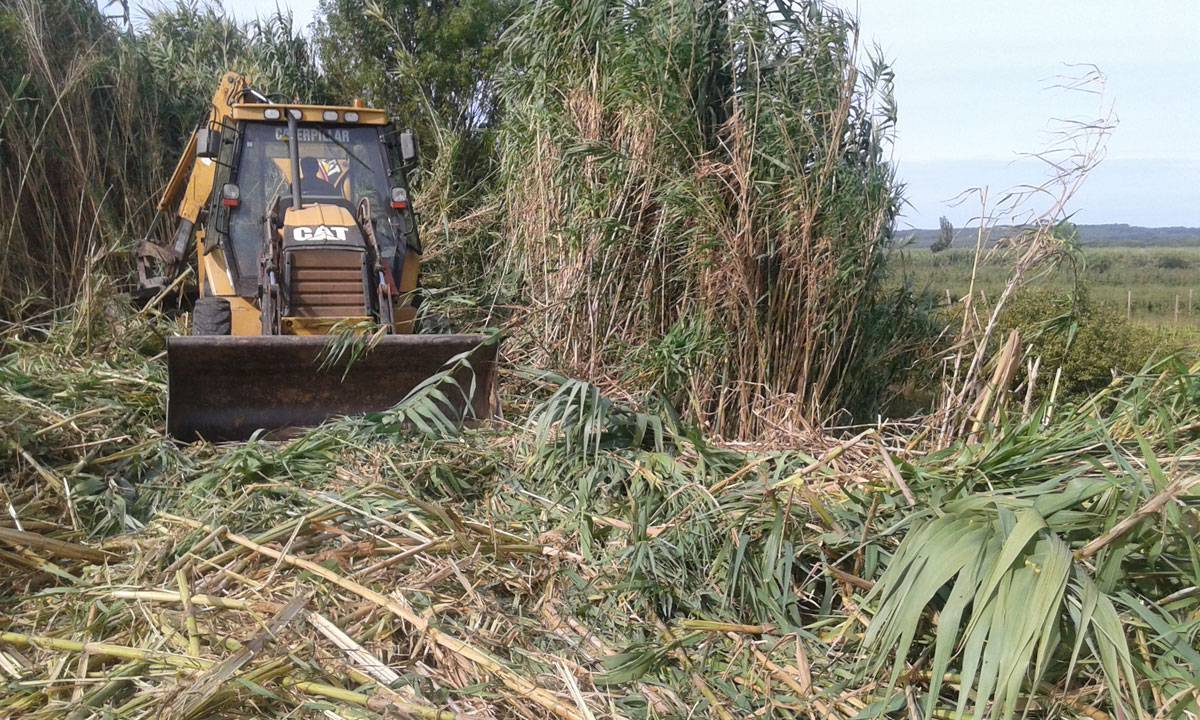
(1089, 341)
(945, 235)
(1172, 261)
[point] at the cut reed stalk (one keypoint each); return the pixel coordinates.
(484, 660)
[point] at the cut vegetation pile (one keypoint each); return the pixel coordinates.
(584, 560)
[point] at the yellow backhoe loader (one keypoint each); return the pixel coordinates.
(301, 225)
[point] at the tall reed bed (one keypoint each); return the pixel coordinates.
(93, 115)
(697, 199)
(74, 135)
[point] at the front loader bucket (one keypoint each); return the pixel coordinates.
(227, 387)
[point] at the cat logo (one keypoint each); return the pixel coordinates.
(320, 233)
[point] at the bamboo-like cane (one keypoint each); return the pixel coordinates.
(209, 683)
(1151, 506)
(199, 599)
(189, 614)
(59, 548)
(189, 663)
(370, 665)
(516, 682)
(200, 545)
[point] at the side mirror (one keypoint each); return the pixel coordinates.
(208, 143)
(408, 147)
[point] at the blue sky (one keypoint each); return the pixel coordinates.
(972, 79)
(972, 83)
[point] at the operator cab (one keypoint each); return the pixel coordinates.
(343, 159)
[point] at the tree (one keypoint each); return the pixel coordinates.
(432, 64)
(945, 235)
(416, 56)
(188, 46)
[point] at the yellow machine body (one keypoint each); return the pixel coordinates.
(300, 226)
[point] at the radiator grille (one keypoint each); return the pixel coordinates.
(326, 283)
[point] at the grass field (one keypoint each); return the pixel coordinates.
(1145, 282)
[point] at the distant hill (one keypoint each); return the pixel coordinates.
(1111, 235)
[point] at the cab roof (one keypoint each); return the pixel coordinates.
(335, 114)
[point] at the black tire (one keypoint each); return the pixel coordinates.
(211, 316)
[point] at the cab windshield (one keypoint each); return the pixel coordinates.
(336, 163)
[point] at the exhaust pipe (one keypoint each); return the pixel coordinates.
(294, 154)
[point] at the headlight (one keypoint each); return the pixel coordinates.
(271, 113)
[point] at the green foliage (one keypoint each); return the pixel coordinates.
(69, 128)
(1007, 586)
(189, 45)
(433, 66)
(1149, 278)
(417, 58)
(945, 235)
(1090, 343)
(1173, 261)
(347, 342)
(700, 171)
(92, 120)
(677, 359)
(429, 407)
(584, 421)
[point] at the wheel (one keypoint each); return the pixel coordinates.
(211, 316)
